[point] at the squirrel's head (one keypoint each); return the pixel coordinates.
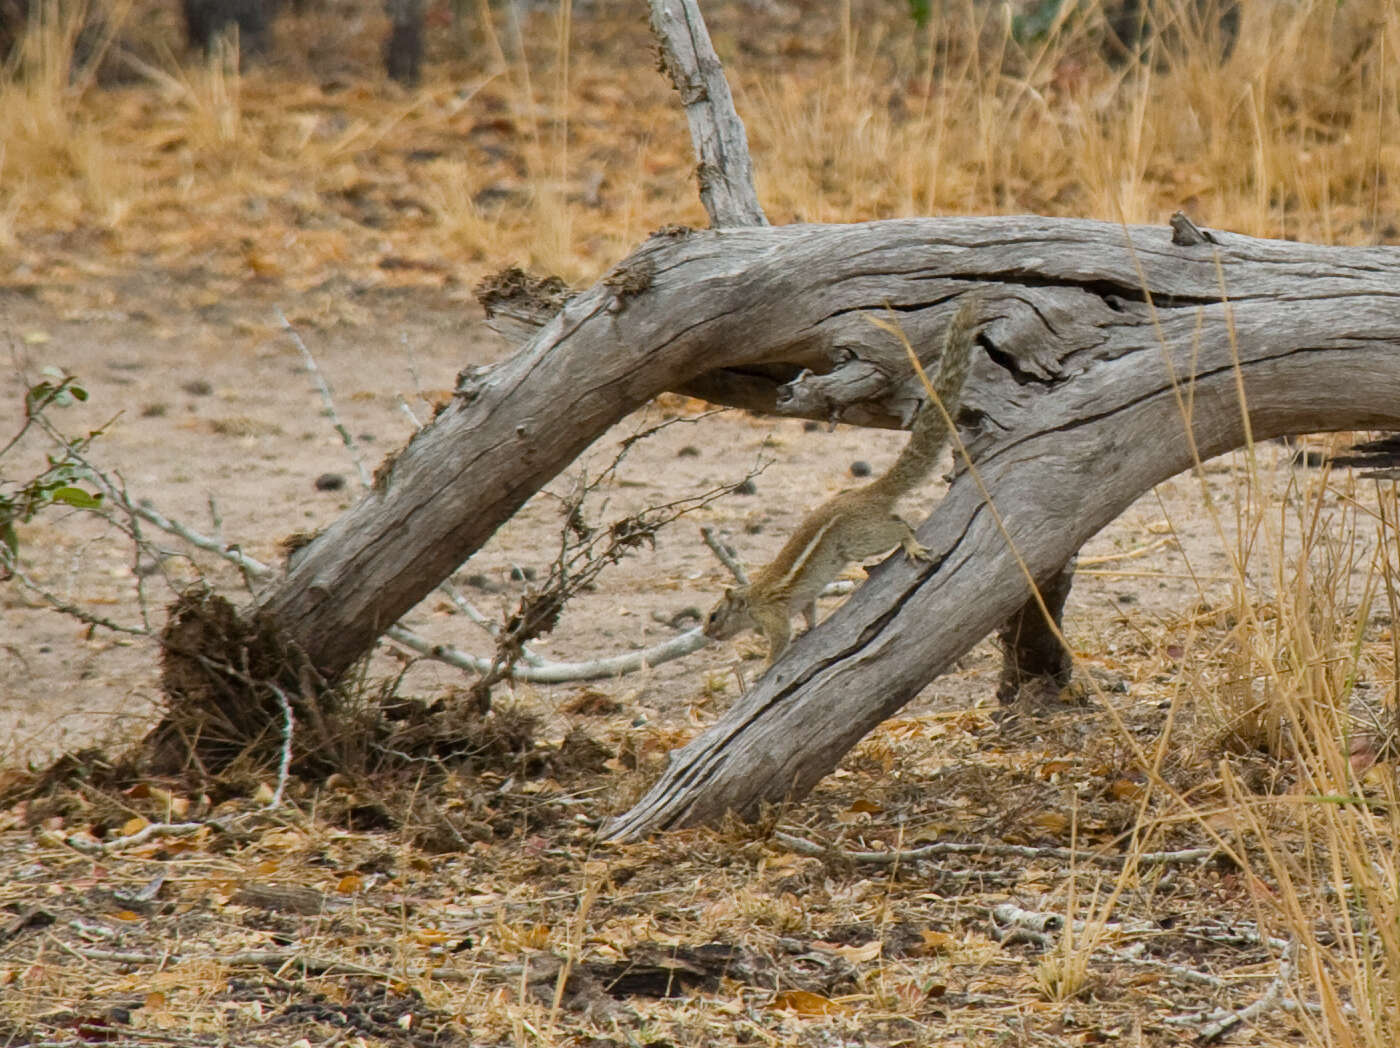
(730, 615)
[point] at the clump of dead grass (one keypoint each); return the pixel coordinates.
(548, 150)
(1287, 134)
(56, 155)
(1289, 692)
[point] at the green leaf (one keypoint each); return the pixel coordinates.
(921, 11)
(76, 497)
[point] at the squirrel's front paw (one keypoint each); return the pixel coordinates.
(917, 551)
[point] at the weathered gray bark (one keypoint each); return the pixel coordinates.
(717, 134)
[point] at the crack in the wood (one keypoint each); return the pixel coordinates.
(1010, 363)
(1101, 287)
(893, 307)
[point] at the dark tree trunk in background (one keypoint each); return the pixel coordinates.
(403, 51)
(1035, 662)
(206, 21)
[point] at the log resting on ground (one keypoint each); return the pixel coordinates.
(1100, 340)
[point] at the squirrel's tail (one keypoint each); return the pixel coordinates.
(930, 432)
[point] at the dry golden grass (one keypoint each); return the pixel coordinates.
(564, 154)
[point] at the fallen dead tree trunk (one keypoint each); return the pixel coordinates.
(1098, 339)
(1111, 362)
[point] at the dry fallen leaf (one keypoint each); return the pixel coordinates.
(861, 954)
(934, 942)
(134, 825)
(1125, 789)
(805, 1003)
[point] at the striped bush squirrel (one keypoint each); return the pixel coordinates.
(855, 524)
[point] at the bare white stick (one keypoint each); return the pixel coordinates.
(1036, 926)
(133, 840)
(528, 654)
(1275, 996)
(328, 401)
(288, 728)
(1134, 955)
(557, 672)
(996, 851)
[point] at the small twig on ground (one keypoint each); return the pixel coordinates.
(329, 401)
(996, 851)
(133, 840)
(1134, 955)
(725, 555)
(1275, 996)
(278, 959)
(1012, 923)
(546, 672)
